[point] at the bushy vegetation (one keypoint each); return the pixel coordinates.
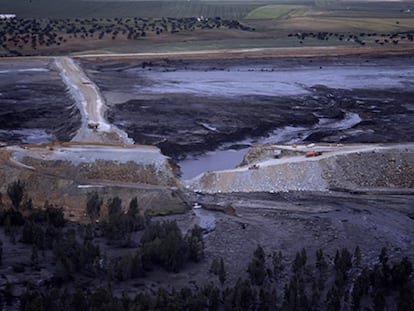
(382, 287)
(119, 224)
(15, 191)
(164, 245)
(93, 206)
(50, 27)
(342, 281)
(26, 36)
(77, 253)
(361, 38)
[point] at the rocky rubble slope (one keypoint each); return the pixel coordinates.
(354, 168)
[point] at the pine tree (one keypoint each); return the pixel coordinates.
(316, 295)
(400, 273)
(303, 301)
(277, 261)
(383, 257)
(300, 261)
(114, 206)
(267, 299)
(256, 267)
(34, 258)
(15, 191)
(93, 205)
(215, 266)
(133, 207)
(195, 244)
(213, 296)
(379, 301)
(357, 294)
(61, 271)
(222, 272)
(357, 256)
(291, 294)
(405, 299)
(321, 263)
(333, 299)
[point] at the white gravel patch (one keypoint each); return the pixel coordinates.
(143, 155)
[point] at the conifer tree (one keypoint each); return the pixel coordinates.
(256, 267)
(15, 191)
(222, 272)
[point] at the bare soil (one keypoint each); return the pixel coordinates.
(291, 221)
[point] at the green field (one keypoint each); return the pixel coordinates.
(275, 11)
(340, 16)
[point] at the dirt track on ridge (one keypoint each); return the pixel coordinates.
(90, 103)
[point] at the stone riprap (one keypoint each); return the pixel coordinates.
(352, 168)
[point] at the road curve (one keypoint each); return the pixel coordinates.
(95, 128)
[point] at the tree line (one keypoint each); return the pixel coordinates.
(18, 36)
(272, 281)
(360, 38)
(77, 253)
(344, 284)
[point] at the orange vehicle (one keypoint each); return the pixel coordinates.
(313, 153)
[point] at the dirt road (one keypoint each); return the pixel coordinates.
(91, 104)
(255, 53)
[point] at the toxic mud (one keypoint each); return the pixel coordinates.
(35, 106)
(194, 106)
(220, 107)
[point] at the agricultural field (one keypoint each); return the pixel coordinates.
(46, 27)
(277, 11)
(144, 9)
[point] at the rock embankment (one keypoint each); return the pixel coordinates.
(382, 169)
(354, 168)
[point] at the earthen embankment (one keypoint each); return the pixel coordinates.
(63, 174)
